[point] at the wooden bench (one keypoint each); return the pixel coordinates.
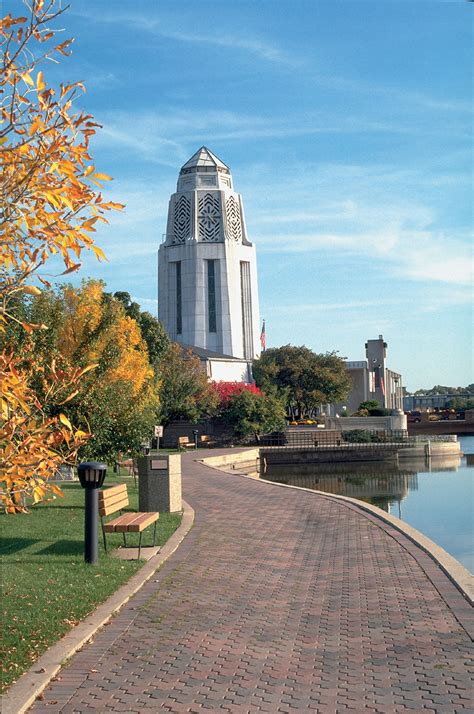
(184, 442)
(206, 440)
(114, 499)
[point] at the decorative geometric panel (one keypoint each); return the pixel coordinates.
(182, 220)
(234, 223)
(209, 218)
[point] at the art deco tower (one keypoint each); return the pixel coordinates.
(207, 272)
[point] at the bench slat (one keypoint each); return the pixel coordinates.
(112, 492)
(113, 499)
(123, 520)
(109, 508)
(131, 522)
(143, 521)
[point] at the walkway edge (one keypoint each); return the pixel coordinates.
(456, 572)
(21, 695)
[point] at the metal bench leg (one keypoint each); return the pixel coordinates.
(154, 534)
(139, 545)
(103, 533)
(124, 540)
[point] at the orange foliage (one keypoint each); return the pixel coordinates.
(134, 362)
(33, 445)
(51, 203)
(79, 335)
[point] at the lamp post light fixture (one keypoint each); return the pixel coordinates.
(91, 475)
(195, 434)
(145, 448)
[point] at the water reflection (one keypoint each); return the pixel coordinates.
(379, 483)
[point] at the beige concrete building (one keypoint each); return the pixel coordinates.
(207, 271)
(372, 380)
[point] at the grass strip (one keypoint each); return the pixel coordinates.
(46, 586)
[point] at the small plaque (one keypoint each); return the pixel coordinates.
(160, 465)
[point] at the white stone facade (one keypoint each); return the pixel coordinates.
(207, 273)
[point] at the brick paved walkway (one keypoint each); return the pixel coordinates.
(279, 600)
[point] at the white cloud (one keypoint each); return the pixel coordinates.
(315, 308)
(259, 47)
(163, 137)
(420, 255)
(382, 212)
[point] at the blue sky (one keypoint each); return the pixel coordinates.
(348, 130)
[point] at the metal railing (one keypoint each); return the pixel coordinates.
(354, 439)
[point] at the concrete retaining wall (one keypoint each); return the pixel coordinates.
(245, 461)
(388, 423)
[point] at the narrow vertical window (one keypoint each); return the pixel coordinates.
(179, 309)
(211, 295)
(246, 302)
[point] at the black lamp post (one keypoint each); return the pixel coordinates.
(195, 433)
(91, 475)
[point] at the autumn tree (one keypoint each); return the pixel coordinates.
(250, 413)
(185, 392)
(303, 378)
(152, 330)
(51, 201)
(118, 400)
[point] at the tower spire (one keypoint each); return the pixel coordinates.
(208, 295)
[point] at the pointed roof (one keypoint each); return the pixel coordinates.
(204, 157)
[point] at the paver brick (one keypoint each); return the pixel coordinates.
(279, 600)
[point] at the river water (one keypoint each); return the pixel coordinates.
(435, 496)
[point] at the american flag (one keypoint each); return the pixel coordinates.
(262, 337)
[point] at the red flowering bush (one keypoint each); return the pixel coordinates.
(226, 390)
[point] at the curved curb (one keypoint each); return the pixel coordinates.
(21, 695)
(455, 571)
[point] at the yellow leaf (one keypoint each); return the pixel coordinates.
(64, 420)
(35, 125)
(40, 85)
(99, 254)
(89, 170)
(103, 177)
(67, 202)
(71, 396)
(38, 493)
(3, 140)
(112, 204)
(27, 79)
(79, 434)
(87, 369)
(30, 290)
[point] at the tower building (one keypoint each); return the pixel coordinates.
(207, 271)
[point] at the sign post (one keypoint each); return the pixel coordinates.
(158, 434)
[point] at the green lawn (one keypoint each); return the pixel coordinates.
(46, 586)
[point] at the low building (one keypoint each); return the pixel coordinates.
(222, 368)
(429, 402)
(371, 380)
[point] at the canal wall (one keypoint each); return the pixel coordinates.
(244, 462)
(395, 422)
(254, 461)
(430, 449)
